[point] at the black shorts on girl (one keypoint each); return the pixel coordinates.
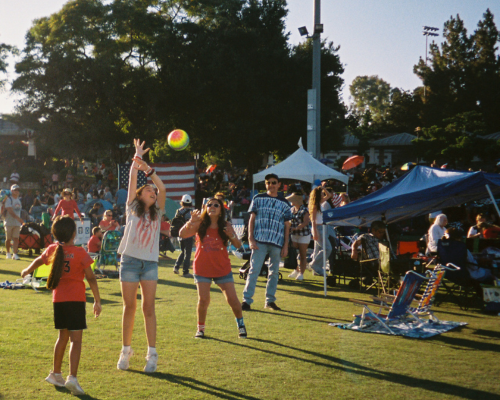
(70, 315)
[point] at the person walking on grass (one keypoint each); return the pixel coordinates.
(317, 198)
(139, 251)
(211, 261)
(184, 258)
(268, 233)
(70, 265)
(300, 232)
(13, 222)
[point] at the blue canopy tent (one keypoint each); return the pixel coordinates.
(420, 191)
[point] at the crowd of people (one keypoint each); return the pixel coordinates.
(276, 218)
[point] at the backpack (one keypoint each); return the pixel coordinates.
(178, 222)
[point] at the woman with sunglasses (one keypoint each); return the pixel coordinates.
(317, 198)
(108, 223)
(211, 261)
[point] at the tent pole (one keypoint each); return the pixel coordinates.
(324, 258)
(493, 199)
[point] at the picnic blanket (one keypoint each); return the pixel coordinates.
(418, 330)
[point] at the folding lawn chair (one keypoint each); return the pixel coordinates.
(398, 309)
(109, 250)
(427, 298)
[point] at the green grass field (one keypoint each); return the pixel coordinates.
(290, 354)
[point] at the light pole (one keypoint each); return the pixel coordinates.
(314, 95)
(428, 31)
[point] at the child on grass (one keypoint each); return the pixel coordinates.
(70, 265)
(211, 261)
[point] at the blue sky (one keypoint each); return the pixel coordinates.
(376, 37)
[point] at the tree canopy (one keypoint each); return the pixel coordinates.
(97, 74)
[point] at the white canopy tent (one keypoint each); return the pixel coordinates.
(303, 167)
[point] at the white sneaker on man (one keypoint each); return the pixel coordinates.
(152, 361)
(8, 256)
(294, 274)
(300, 277)
(15, 257)
(123, 361)
(73, 385)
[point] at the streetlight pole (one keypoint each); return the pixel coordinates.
(428, 31)
(314, 94)
(316, 76)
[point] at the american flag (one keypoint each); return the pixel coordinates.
(179, 178)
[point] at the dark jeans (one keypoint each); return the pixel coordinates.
(185, 256)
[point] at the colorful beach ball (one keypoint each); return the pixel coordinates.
(178, 139)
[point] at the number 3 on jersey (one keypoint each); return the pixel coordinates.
(66, 266)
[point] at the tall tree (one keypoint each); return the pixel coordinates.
(222, 70)
(5, 52)
(370, 93)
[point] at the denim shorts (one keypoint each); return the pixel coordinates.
(222, 279)
(134, 270)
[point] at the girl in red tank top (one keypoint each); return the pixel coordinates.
(211, 261)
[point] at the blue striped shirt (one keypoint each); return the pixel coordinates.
(271, 213)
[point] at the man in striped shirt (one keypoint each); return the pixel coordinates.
(268, 233)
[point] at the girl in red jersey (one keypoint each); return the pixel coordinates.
(70, 265)
(211, 261)
(67, 205)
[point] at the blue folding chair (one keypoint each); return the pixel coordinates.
(398, 310)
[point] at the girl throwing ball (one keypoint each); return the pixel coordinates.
(70, 265)
(211, 261)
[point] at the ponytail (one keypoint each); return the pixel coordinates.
(57, 268)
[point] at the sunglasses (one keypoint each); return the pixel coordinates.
(271, 183)
(215, 205)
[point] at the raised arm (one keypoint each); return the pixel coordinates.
(132, 182)
(191, 227)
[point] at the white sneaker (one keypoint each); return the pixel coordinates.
(152, 360)
(8, 256)
(123, 361)
(56, 379)
(15, 257)
(300, 277)
(73, 386)
(294, 274)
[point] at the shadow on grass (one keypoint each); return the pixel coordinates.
(188, 284)
(90, 300)
(354, 368)
(66, 391)
(441, 311)
(461, 343)
(486, 332)
(17, 274)
(198, 385)
(290, 314)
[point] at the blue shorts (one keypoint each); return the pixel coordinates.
(134, 270)
(222, 279)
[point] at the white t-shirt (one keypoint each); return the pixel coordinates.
(141, 238)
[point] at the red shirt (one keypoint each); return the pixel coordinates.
(94, 244)
(211, 259)
(68, 207)
(105, 225)
(71, 286)
(491, 232)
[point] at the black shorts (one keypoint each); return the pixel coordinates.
(70, 315)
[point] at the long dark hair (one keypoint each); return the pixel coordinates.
(206, 222)
(63, 230)
(141, 206)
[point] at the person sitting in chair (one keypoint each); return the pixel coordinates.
(451, 249)
(371, 241)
